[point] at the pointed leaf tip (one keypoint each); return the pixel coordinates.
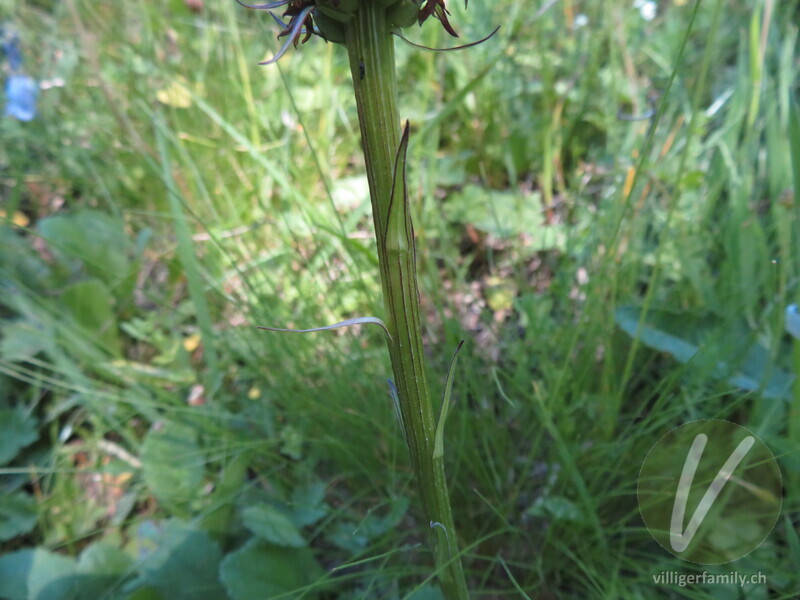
(397, 217)
(396, 402)
(438, 440)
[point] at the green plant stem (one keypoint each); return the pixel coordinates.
(371, 53)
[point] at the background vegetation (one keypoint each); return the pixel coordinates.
(613, 278)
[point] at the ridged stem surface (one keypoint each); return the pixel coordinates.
(371, 53)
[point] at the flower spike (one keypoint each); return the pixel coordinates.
(329, 18)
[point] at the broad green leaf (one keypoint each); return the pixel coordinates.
(308, 504)
(17, 515)
(653, 336)
(347, 536)
(260, 570)
(16, 431)
(427, 592)
(37, 574)
(355, 536)
(375, 525)
(145, 593)
(291, 442)
(94, 239)
(23, 339)
(20, 263)
(102, 558)
(183, 564)
(505, 214)
(102, 570)
(707, 345)
(272, 525)
(228, 486)
(173, 464)
(91, 304)
(14, 571)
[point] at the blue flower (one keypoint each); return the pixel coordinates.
(21, 92)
